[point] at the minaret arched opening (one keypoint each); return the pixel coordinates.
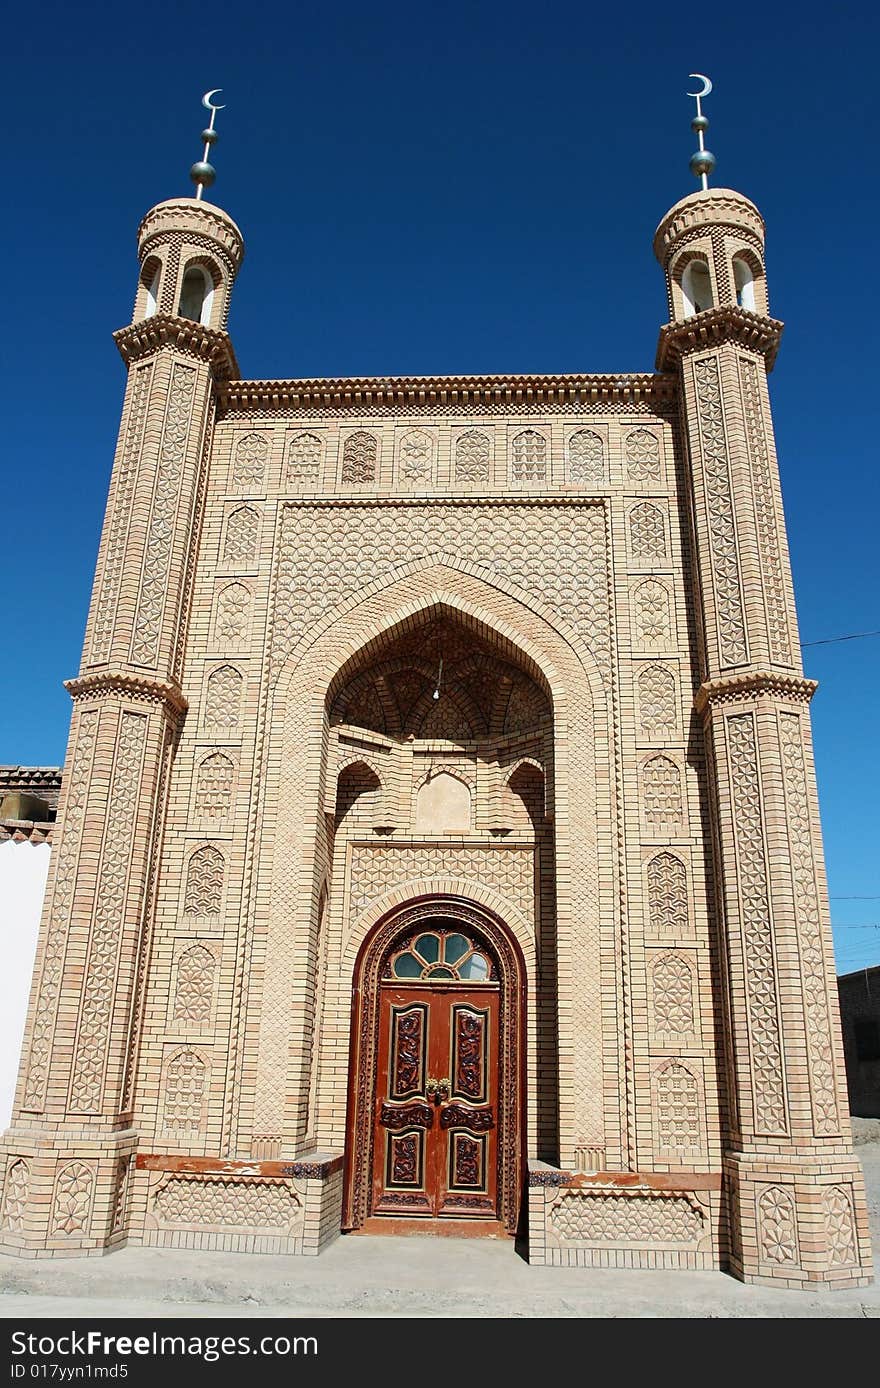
(196, 295)
(696, 286)
(744, 283)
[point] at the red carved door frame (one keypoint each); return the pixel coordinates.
(459, 1122)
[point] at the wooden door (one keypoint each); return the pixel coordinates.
(436, 1121)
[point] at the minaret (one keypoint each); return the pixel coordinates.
(795, 1206)
(71, 1144)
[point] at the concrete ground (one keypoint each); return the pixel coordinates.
(415, 1277)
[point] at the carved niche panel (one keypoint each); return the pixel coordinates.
(677, 1104)
(652, 615)
(472, 452)
(186, 1079)
(416, 462)
(668, 895)
(223, 699)
(233, 616)
(840, 1228)
(642, 455)
(662, 801)
(304, 457)
(586, 459)
(72, 1199)
(658, 712)
(249, 463)
(194, 995)
(214, 782)
(777, 1227)
(241, 538)
(528, 457)
(15, 1197)
(647, 532)
(360, 453)
(672, 980)
(204, 883)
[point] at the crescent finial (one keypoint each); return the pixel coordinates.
(707, 85)
(210, 106)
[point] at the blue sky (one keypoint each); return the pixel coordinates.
(456, 188)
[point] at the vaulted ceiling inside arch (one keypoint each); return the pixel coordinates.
(483, 694)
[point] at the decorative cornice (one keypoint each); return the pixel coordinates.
(143, 688)
(26, 831)
(714, 326)
(193, 215)
(412, 391)
(150, 335)
(713, 207)
(754, 684)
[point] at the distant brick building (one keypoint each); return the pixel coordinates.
(860, 1022)
(439, 832)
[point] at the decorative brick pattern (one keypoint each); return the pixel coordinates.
(661, 792)
(720, 511)
(775, 599)
(96, 1012)
(195, 986)
(249, 463)
(166, 500)
(241, 538)
(223, 699)
(777, 1227)
(186, 1078)
(233, 616)
(417, 458)
(204, 882)
(658, 703)
(667, 895)
(642, 451)
(231, 1204)
(673, 997)
(15, 1196)
(771, 1115)
(305, 455)
(647, 533)
(823, 1089)
(677, 1106)
(359, 456)
(586, 459)
(76, 801)
(72, 1199)
(840, 1231)
(214, 783)
(581, 1216)
(103, 625)
(528, 457)
(652, 615)
(472, 453)
(375, 870)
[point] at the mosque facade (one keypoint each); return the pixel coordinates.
(439, 846)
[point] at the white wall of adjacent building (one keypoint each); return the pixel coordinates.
(23, 871)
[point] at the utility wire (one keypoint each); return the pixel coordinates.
(832, 640)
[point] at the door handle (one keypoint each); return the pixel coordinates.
(435, 1089)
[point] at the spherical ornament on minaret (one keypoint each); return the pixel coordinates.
(702, 163)
(202, 173)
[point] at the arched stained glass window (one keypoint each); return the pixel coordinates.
(435, 955)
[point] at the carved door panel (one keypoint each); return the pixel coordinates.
(435, 1142)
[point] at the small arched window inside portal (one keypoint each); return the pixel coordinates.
(150, 281)
(196, 295)
(744, 281)
(696, 287)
